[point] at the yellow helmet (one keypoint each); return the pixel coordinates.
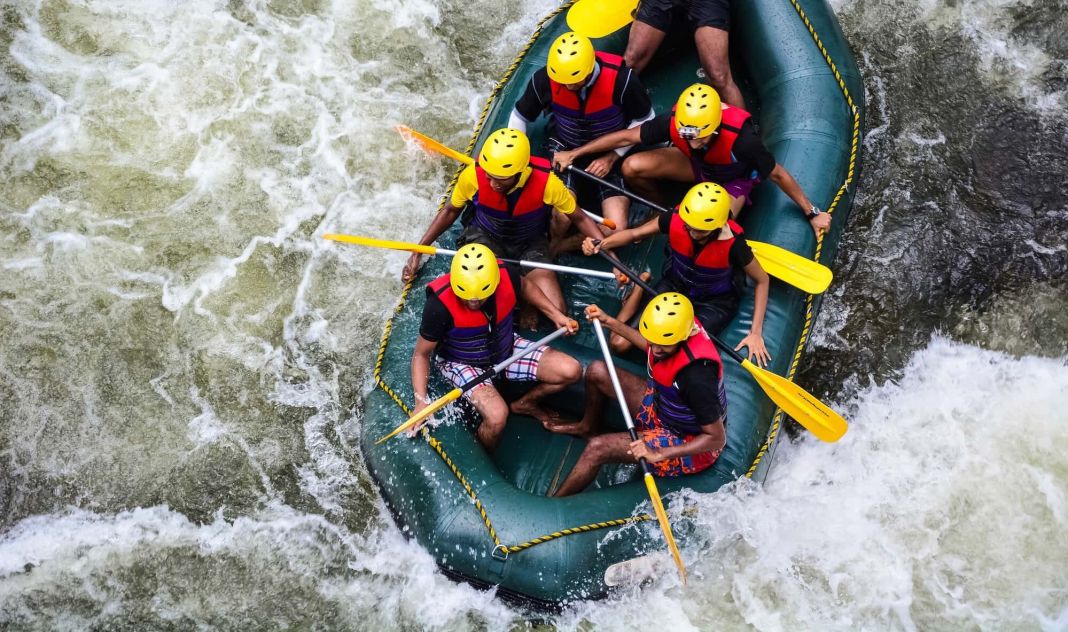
(705, 207)
(475, 274)
(571, 58)
(667, 319)
(505, 153)
(697, 112)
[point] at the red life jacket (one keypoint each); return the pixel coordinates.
(473, 339)
(704, 274)
(519, 216)
(718, 163)
(671, 410)
(579, 122)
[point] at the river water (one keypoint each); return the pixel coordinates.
(181, 356)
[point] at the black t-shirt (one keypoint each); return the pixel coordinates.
(629, 93)
(698, 385)
(437, 321)
(739, 255)
(748, 148)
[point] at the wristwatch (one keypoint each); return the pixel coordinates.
(813, 211)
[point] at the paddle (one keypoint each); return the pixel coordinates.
(804, 274)
(795, 401)
(457, 392)
(597, 18)
(650, 482)
(430, 144)
(434, 250)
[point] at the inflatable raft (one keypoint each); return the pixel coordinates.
(486, 518)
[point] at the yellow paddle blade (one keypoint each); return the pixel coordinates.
(796, 402)
(381, 243)
(665, 526)
(430, 144)
(597, 18)
(805, 274)
(438, 404)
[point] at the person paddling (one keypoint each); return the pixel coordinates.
(467, 326)
(587, 94)
(514, 195)
(706, 251)
(709, 142)
(679, 412)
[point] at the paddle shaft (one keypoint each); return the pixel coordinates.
(599, 329)
(605, 183)
(497, 368)
(619, 265)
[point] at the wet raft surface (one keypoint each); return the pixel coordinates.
(485, 517)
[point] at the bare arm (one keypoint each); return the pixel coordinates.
(622, 237)
(441, 222)
(758, 352)
(713, 437)
(421, 371)
(782, 178)
(608, 142)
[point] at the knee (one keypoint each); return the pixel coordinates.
(570, 371)
(634, 167)
(598, 448)
(719, 76)
(618, 344)
(597, 372)
(495, 414)
(637, 57)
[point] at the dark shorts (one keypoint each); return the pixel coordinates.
(535, 250)
(742, 187)
(713, 314)
(660, 14)
(591, 195)
(657, 436)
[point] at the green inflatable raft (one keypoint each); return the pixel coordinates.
(485, 517)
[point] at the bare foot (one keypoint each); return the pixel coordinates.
(530, 409)
(577, 428)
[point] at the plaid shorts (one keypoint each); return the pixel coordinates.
(524, 369)
(657, 436)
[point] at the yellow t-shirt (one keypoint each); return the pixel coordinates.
(556, 194)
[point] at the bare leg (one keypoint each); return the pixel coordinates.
(736, 205)
(558, 226)
(641, 45)
(712, 49)
(598, 387)
(617, 209)
(549, 285)
(643, 169)
(556, 370)
(546, 281)
(494, 411)
(606, 448)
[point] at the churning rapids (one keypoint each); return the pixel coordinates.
(182, 358)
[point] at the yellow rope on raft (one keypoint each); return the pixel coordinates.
(773, 432)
